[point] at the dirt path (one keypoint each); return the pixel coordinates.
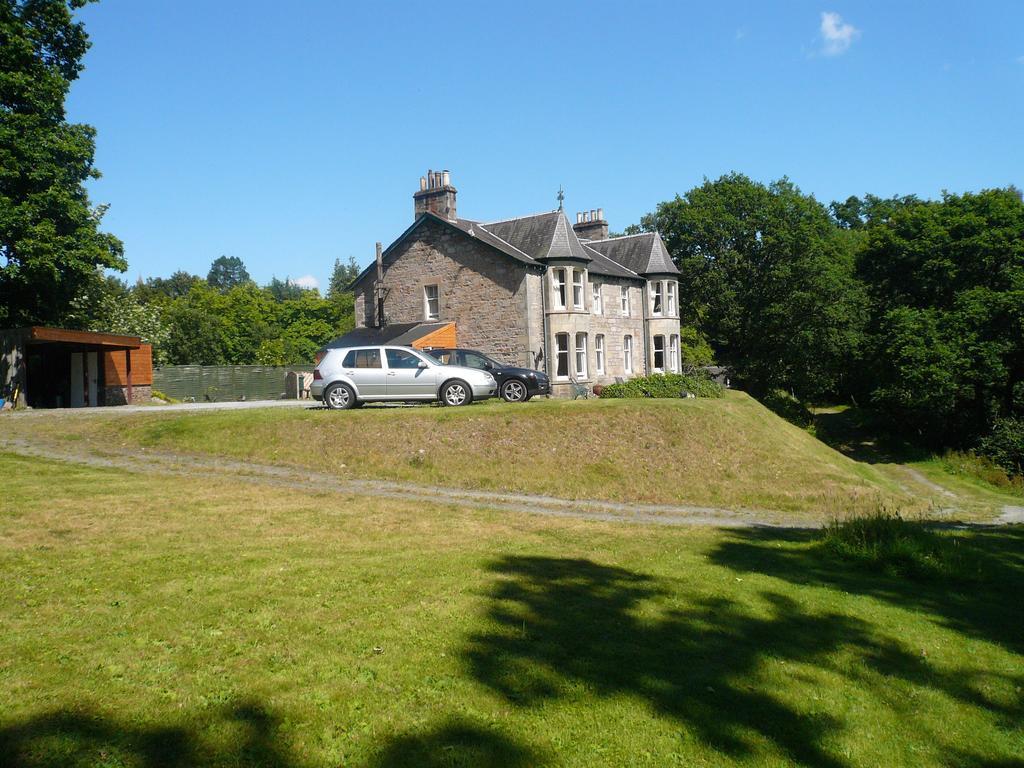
(214, 468)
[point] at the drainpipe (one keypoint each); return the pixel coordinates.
(645, 299)
(544, 322)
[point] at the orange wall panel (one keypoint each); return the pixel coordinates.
(442, 337)
(114, 373)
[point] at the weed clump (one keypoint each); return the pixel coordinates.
(884, 541)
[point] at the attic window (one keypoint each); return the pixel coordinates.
(431, 302)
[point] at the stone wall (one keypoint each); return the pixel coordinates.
(483, 291)
(119, 395)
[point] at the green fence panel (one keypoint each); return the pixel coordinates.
(220, 383)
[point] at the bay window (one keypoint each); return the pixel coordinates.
(656, 289)
(577, 289)
(671, 296)
(659, 354)
(581, 355)
(561, 355)
(558, 276)
(673, 352)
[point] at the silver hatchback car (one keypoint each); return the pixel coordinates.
(347, 377)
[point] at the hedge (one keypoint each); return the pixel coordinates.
(665, 385)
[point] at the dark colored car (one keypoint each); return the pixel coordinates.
(515, 385)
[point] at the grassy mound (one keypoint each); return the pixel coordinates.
(727, 452)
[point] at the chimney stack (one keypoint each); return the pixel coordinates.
(591, 225)
(436, 195)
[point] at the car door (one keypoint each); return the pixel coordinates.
(406, 378)
(366, 369)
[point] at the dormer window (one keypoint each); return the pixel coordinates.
(558, 276)
(577, 289)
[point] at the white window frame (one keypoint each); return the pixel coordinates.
(577, 289)
(670, 296)
(657, 299)
(558, 279)
(673, 352)
(654, 357)
(624, 299)
(581, 355)
(596, 305)
(627, 354)
(599, 354)
(560, 351)
(436, 315)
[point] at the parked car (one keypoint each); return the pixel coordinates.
(515, 385)
(347, 377)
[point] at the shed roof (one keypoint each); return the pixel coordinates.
(39, 334)
(398, 334)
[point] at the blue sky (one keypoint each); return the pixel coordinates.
(289, 134)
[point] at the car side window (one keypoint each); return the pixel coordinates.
(362, 358)
(398, 358)
(445, 357)
(474, 360)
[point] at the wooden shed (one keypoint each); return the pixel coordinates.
(61, 368)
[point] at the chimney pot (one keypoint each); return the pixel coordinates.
(423, 183)
(446, 178)
(600, 214)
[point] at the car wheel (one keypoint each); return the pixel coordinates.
(514, 391)
(456, 392)
(339, 397)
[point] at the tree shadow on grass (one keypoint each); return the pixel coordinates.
(458, 744)
(248, 735)
(990, 608)
(867, 436)
(558, 623)
(68, 739)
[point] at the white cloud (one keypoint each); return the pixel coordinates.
(306, 281)
(837, 36)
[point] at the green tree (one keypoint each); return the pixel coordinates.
(282, 290)
(946, 281)
(158, 289)
(227, 272)
(342, 276)
(50, 241)
(768, 280)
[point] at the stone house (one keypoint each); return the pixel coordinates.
(534, 291)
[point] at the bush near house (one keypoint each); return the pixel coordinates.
(665, 385)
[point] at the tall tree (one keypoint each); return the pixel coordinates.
(50, 241)
(768, 279)
(342, 276)
(227, 272)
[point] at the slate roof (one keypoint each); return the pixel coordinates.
(602, 265)
(542, 236)
(645, 253)
(398, 334)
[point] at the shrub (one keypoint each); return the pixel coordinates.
(884, 541)
(783, 404)
(665, 385)
(982, 468)
(1005, 445)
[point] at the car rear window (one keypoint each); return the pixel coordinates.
(362, 358)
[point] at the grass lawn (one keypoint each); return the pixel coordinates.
(151, 622)
(729, 452)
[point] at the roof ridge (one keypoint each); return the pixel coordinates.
(516, 218)
(623, 237)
